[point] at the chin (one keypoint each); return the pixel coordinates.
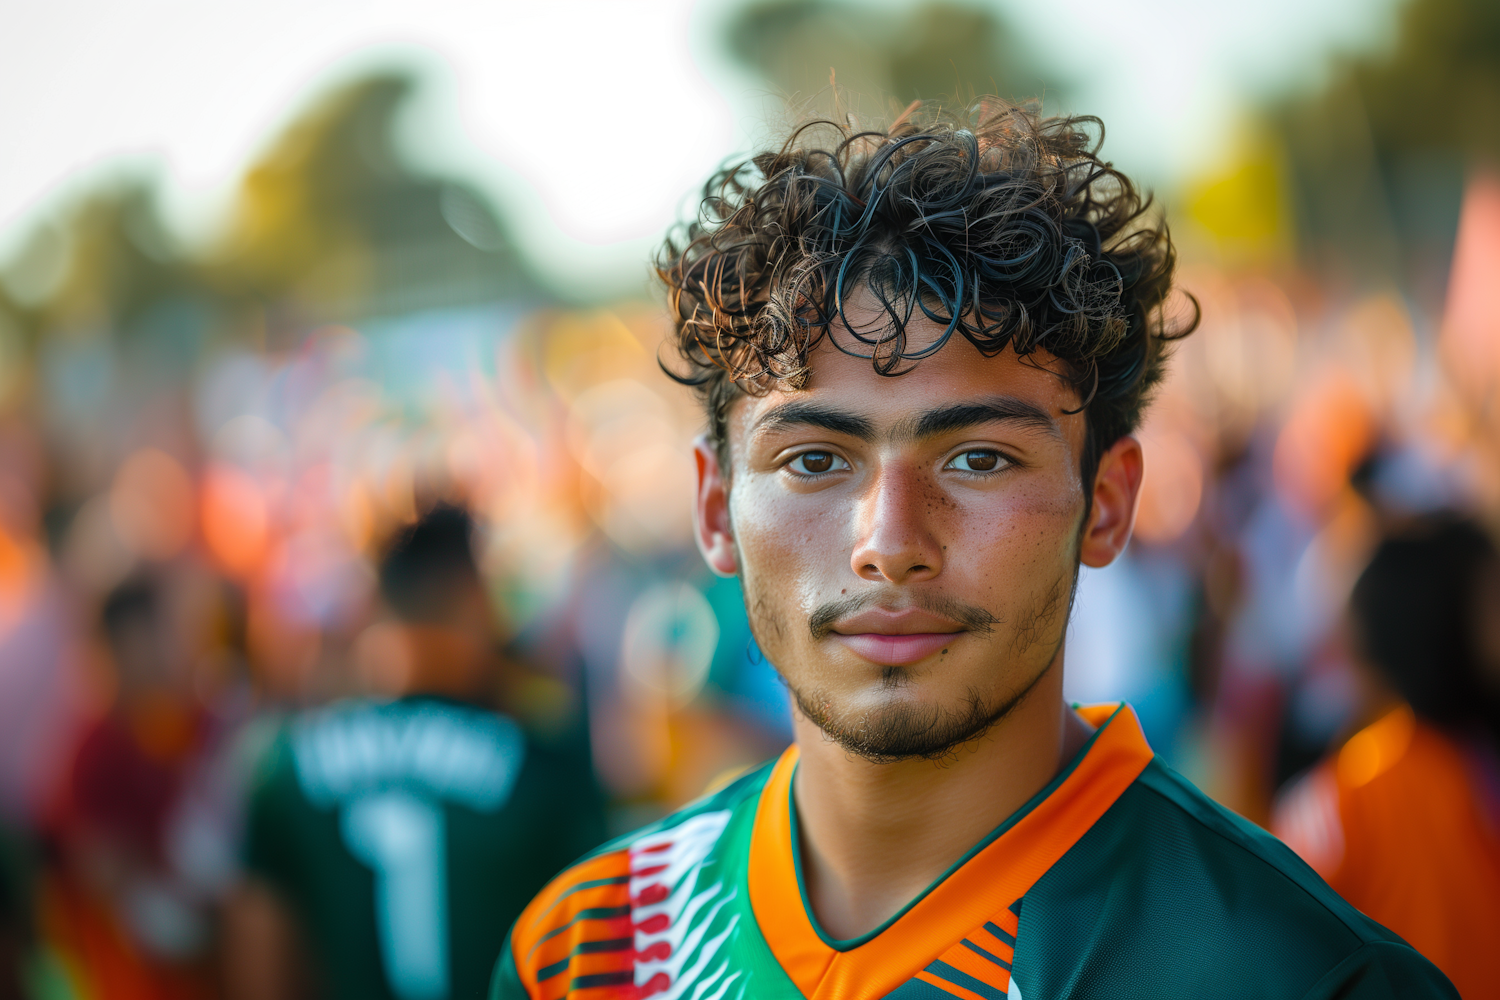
(883, 702)
(886, 726)
(903, 713)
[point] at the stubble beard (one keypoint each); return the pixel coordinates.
(900, 730)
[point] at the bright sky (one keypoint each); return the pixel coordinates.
(524, 97)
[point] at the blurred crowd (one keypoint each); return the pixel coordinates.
(214, 458)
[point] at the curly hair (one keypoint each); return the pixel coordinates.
(997, 224)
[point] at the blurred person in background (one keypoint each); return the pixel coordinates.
(1404, 819)
(119, 906)
(923, 351)
(391, 843)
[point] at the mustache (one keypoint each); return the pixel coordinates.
(972, 617)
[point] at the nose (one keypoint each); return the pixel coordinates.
(897, 542)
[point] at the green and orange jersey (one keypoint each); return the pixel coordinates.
(1399, 824)
(1118, 879)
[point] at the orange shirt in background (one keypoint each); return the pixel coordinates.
(1396, 823)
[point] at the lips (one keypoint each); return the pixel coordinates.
(895, 650)
(896, 638)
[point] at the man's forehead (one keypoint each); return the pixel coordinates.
(1026, 389)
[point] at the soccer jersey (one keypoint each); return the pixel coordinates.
(1397, 823)
(408, 835)
(1118, 879)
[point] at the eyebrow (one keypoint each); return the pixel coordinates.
(942, 420)
(806, 414)
(957, 416)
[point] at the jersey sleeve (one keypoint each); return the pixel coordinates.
(1384, 970)
(577, 933)
(505, 984)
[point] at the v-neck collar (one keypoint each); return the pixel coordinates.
(993, 874)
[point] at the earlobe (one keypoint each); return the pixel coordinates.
(1117, 488)
(711, 511)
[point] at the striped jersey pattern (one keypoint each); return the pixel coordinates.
(1118, 879)
(638, 922)
(978, 966)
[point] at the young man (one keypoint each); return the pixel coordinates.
(399, 839)
(922, 353)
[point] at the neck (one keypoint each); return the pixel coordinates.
(874, 836)
(444, 661)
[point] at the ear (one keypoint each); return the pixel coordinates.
(711, 511)
(1117, 488)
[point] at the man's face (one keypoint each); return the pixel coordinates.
(908, 546)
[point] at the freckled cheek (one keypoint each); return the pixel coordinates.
(1012, 537)
(792, 539)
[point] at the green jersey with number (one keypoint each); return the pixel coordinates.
(408, 835)
(1117, 880)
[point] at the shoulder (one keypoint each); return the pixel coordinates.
(582, 927)
(708, 812)
(1225, 850)
(1182, 897)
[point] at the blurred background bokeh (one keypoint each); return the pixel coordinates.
(274, 281)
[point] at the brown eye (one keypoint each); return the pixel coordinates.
(977, 461)
(812, 463)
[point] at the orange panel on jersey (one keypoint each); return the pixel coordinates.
(982, 888)
(590, 905)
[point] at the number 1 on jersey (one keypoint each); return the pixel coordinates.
(400, 836)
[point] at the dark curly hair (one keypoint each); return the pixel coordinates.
(997, 224)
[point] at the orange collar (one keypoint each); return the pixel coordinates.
(990, 878)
